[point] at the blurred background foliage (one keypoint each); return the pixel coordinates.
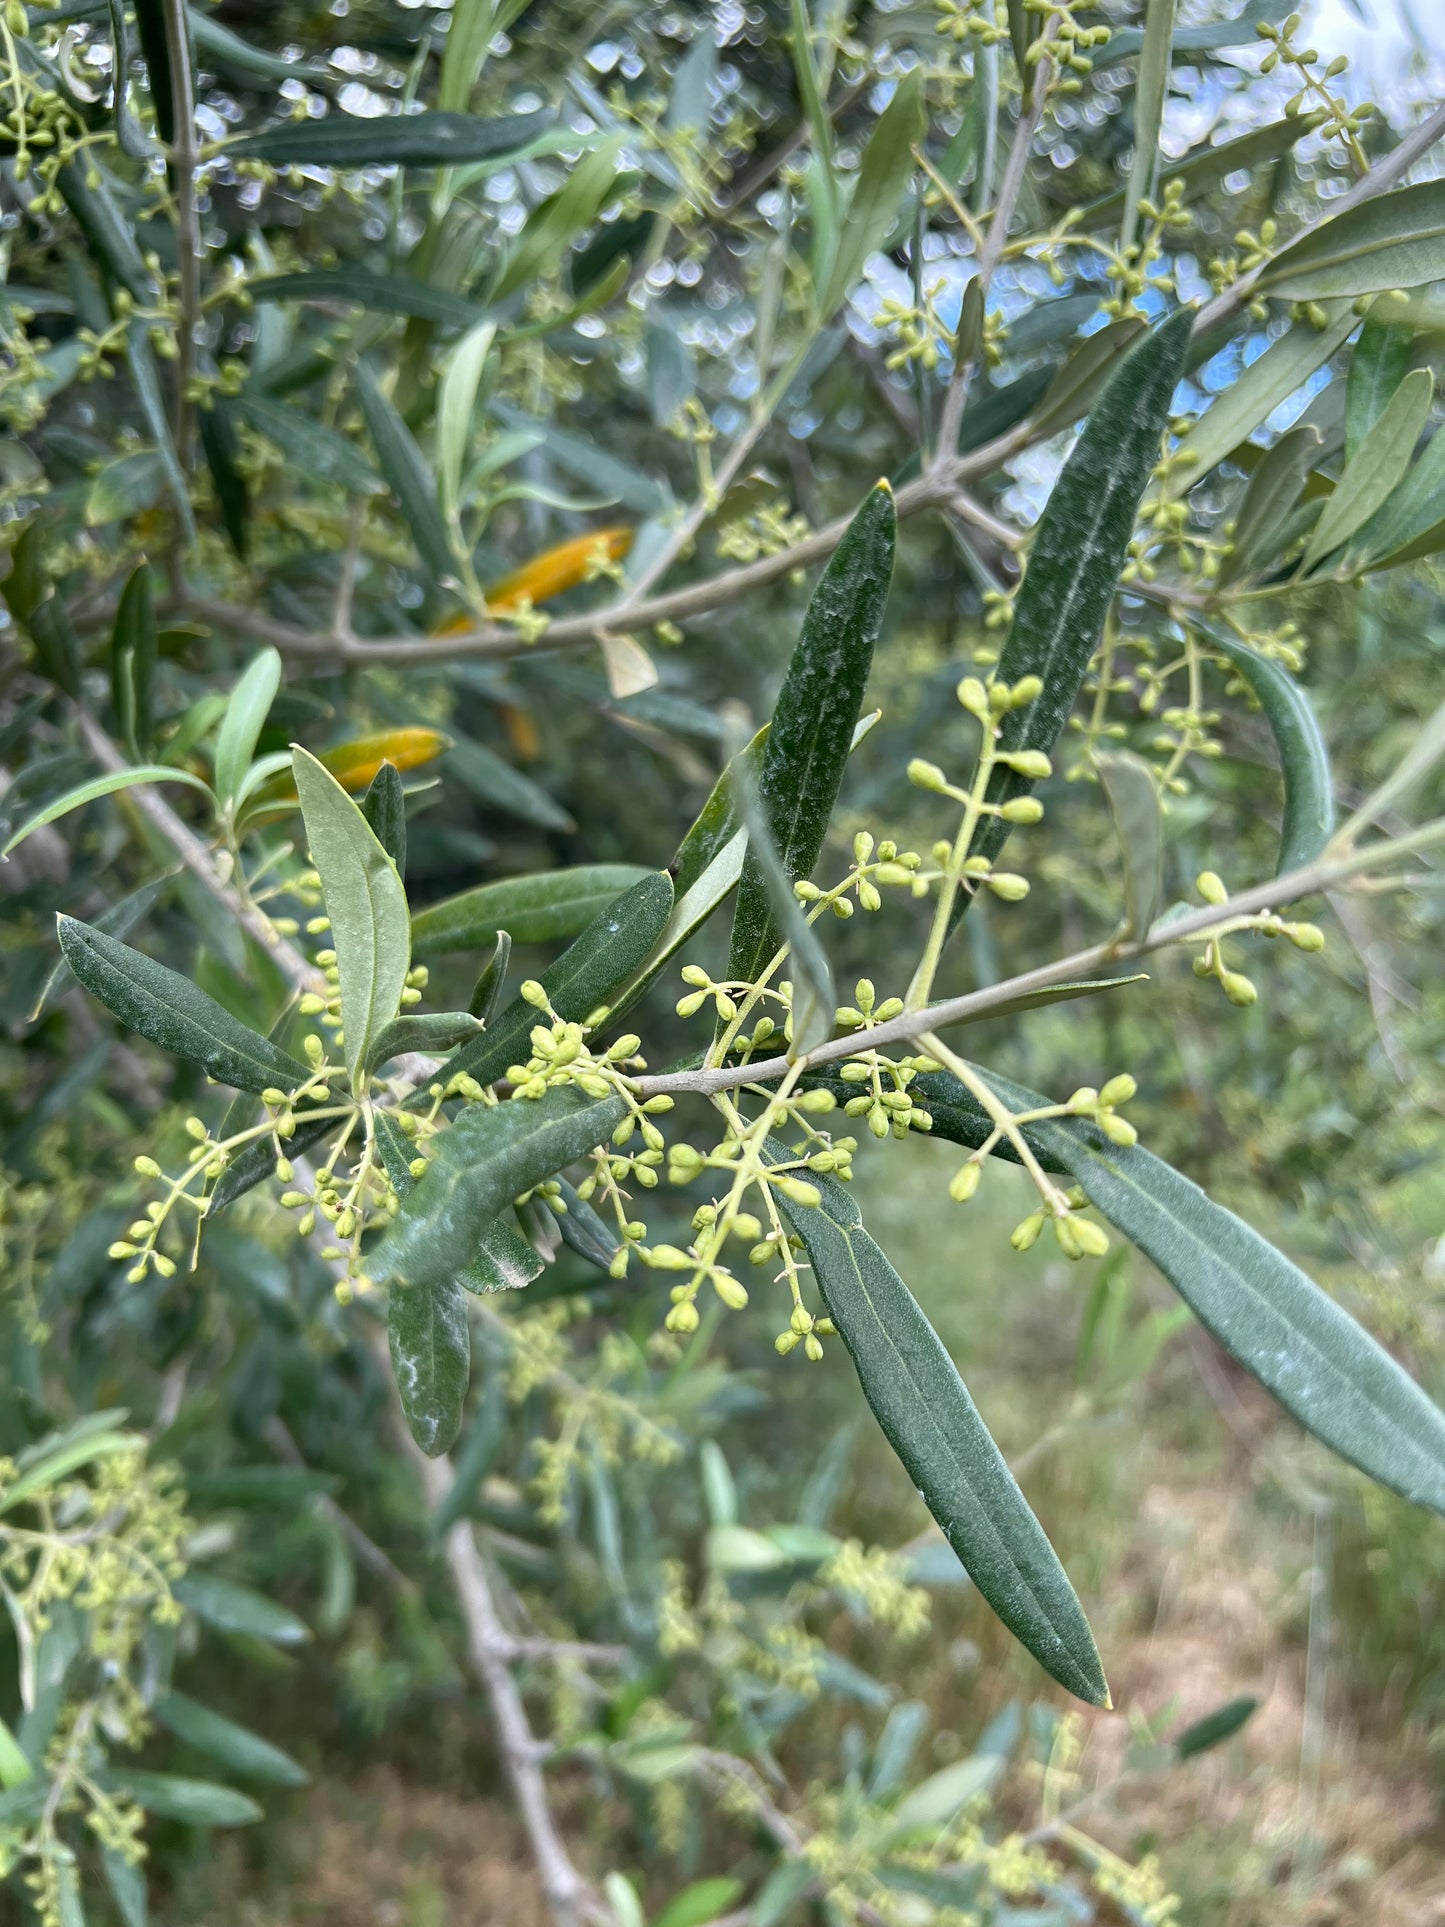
(1221, 1555)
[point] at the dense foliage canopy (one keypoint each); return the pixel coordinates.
(507, 504)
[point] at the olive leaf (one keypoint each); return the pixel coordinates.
(813, 723)
(384, 807)
(1391, 241)
(1309, 803)
(536, 909)
(1378, 465)
(1133, 796)
(1323, 1367)
(487, 1157)
(366, 904)
(405, 468)
(243, 722)
(503, 1260)
(1079, 550)
(433, 139)
(171, 1011)
(927, 1416)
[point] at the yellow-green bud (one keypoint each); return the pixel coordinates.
(974, 697)
(1210, 886)
(1031, 763)
(1305, 936)
(1238, 989)
(147, 1167)
(798, 1191)
(926, 775)
(1119, 1089)
(813, 1346)
(784, 1343)
(534, 994)
(1023, 809)
(733, 1294)
(1011, 887)
(965, 1182)
(682, 1318)
(1025, 1236)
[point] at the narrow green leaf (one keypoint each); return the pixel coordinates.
(1216, 1727)
(1309, 800)
(502, 1260)
(427, 1031)
(1150, 89)
(431, 1358)
(244, 720)
(886, 169)
(1322, 1367)
(1241, 31)
(229, 50)
(700, 1903)
(147, 380)
(364, 288)
(497, 784)
(812, 726)
(927, 1416)
(150, 18)
(1079, 549)
(194, 1803)
(318, 450)
(1411, 513)
(814, 999)
(127, 1883)
(236, 1609)
(617, 940)
(436, 139)
(108, 236)
(474, 1460)
(536, 909)
(222, 446)
(237, 1749)
(689, 914)
(487, 992)
(1379, 464)
(129, 134)
(584, 1231)
(810, 92)
(366, 903)
(1023, 30)
(133, 646)
(64, 1458)
(98, 786)
(1133, 797)
(1076, 386)
(1270, 500)
(1377, 367)
(488, 1156)
(405, 469)
(15, 1767)
(174, 1013)
(556, 222)
(456, 406)
(1391, 241)
(1281, 371)
(384, 807)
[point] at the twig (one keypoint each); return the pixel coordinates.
(991, 253)
(188, 232)
(492, 1650)
(1335, 866)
